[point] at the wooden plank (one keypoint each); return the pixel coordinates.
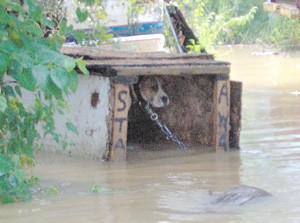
(166, 71)
(95, 53)
(158, 68)
(221, 113)
(290, 11)
(289, 2)
(129, 62)
(271, 7)
(120, 122)
(174, 70)
(110, 63)
(235, 114)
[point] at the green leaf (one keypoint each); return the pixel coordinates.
(3, 63)
(63, 27)
(23, 58)
(71, 127)
(18, 90)
(82, 66)
(34, 10)
(13, 180)
(33, 28)
(14, 36)
(69, 64)
(100, 189)
(53, 90)
(3, 105)
(73, 81)
(26, 80)
(13, 6)
(6, 163)
(60, 77)
(79, 35)
(40, 74)
(8, 47)
(89, 1)
(53, 191)
(6, 199)
(33, 180)
(9, 91)
(82, 16)
(47, 23)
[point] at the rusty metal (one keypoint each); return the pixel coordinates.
(164, 129)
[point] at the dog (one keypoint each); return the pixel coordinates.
(150, 89)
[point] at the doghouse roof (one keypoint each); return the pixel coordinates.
(112, 63)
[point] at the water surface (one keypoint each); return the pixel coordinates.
(173, 185)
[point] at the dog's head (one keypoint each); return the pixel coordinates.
(151, 90)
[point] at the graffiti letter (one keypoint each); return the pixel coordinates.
(119, 144)
(223, 120)
(222, 141)
(121, 99)
(224, 92)
(223, 124)
(120, 120)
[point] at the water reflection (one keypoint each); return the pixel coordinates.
(173, 186)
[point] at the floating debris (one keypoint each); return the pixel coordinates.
(240, 195)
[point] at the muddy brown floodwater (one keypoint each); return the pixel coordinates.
(173, 185)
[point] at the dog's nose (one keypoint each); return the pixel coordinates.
(165, 100)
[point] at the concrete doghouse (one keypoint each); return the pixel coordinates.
(198, 86)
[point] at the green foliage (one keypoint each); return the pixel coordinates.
(30, 61)
(214, 28)
(97, 189)
(218, 22)
(13, 184)
(93, 11)
(53, 191)
(135, 9)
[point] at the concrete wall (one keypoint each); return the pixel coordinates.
(90, 120)
(91, 117)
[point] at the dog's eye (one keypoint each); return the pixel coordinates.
(154, 87)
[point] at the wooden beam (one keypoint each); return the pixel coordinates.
(160, 68)
(221, 113)
(271, 7)
(235, 114)
(290, 11)
(120, 122)
(98, 54)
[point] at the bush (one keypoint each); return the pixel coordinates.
(218, 22)
(30, 60)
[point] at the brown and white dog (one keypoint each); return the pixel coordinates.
(150, 89)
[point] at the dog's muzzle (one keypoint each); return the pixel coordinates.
(165, 100)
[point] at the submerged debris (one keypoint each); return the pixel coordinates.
(240, 195)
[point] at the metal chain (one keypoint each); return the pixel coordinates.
(167, 133)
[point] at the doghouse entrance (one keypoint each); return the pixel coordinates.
(189, 115)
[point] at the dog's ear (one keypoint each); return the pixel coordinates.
(133, 94)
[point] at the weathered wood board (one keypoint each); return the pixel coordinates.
(235, 114)
(290, 11)
(221, 113)
(120, 122)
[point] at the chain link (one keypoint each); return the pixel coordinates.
(167, 133)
